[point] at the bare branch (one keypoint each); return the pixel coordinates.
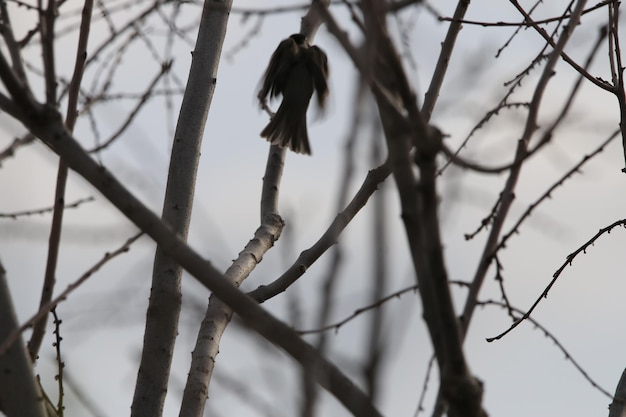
(432, 94)
(557, 274)
(602, 84)
(26, 213)
(525, 23)
(329, 238)
(617, 70)
(337, 325)
(60, 365)
(10, 339)
(133, 113)
(20, 394)
(47, 18)
(54, 242)
(11, 44)
(554, 339)
(522, 146)
(59, 200)
(218, 315)
(420, 404)
(165, 294)
(618, 406)
(50, 129)
(548, 193)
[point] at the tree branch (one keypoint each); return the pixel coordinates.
(20, 394)
(165, 294)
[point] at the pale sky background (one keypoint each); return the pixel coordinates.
(524, 374)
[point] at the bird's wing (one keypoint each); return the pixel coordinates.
(318, 65)
(281, 62)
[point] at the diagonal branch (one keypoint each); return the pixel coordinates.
(568, 262)
(507, 194)
(44, 309)
(598, 82)
(165, 68)
(48, 126)
(328, 239)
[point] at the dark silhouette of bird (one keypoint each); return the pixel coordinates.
(295, 70)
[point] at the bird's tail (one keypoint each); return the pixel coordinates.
(291, 132)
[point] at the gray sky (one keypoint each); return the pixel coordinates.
(524, 374)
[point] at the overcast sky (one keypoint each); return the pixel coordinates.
(524, 374)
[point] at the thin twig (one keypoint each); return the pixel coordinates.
(485, 222)
(131, 115)
(507, 194)
(378, 303)
(60, 364)
(525, 23)
(420, 403)
(8, 342)
(54, 245)
(25, 213)
(558, 344)
(598, 82)
(337, 325)
(548, 193)
(568, 261)
(10, 42)
(500, 280)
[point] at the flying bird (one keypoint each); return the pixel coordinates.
(295, 70)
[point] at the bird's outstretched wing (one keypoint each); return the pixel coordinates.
(283, 58)
(318, 65)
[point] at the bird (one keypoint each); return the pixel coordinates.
(296, 70)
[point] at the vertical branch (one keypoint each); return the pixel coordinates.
(617, 71)
(60, 364)
(54, 242)
(613, 25)
(432, 94)
(618, 406)
(79, 66)
(47, 18)
(271, 182)
(419, 205)
(375, 344)
(331, 276)
(507, 194)
(11, 44)
(165, 295)
(218, 313)
(21, 95)
(20, 394)
(59, 199)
